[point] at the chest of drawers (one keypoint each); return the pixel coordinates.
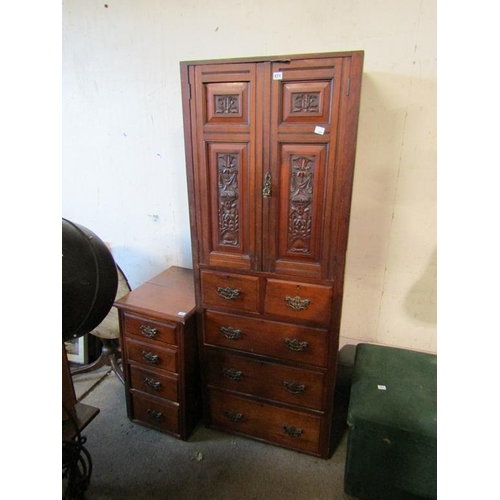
(160, 353)
(270, 147)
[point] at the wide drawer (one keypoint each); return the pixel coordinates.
(163, 385)
(149, 329)
(298, 301)
(267, 380)
(270, 338)
(285, 427)
(230, 291)
(152, 355)
(156, 412)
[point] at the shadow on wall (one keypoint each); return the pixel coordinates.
(386, 110)
(375, 182)
(421, 301)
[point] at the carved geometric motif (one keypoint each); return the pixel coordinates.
(305, 102)
(228, 196)
(227, 104)
(301, 197)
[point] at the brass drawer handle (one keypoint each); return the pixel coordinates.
(293, 387)
(296, 303)
(233, 416)
(230, 332)
(266, 190)
(156, 415)
(152, 383)
(292, 431)
(228, 293)
(232, 374)
(148, 331)
(296, 345)
(150, 357)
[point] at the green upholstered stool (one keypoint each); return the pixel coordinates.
(392, 444)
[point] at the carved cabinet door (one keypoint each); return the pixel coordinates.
(306, 106)
(225, 144)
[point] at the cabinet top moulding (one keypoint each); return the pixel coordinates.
(272, 59)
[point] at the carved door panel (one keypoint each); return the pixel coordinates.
(225, 157)
(306, 100)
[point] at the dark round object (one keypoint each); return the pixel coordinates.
(89, 280)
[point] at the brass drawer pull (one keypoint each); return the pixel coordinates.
(148, 331)
(293, 387)
(296, 303)
(152, 383)
(266, 191)
(292, 431)
(228, 293)
(233, 416)
(150, 357)
(232, 374)
(296, 345)
(156, 415)
(230, 332)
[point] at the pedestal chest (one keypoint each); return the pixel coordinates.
(160, 353)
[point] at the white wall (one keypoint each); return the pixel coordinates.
(123, 153)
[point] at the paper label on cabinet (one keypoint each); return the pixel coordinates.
(278, 75)
(319, 130)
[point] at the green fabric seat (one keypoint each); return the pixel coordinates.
(392, 419)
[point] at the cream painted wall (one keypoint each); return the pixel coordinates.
(123, 153)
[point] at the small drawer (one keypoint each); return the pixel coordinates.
(155, 412)
(269, 338)
(151, 355)
(299, 301)
(233, 291)
(149, 329)
(290, 428)
(266, 380)
(157, 384)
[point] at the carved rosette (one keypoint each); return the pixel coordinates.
(305, 102)
(301, 197)
(227, 104)
(228, 199)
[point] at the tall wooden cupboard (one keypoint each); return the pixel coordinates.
(270, 148)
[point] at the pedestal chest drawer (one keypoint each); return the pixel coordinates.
(156, 383)
(267, 380)
(152, 355)
(155, 412)
(146, 328)
(230, 291)
(269, 338)
(299, 301)
(290, 428)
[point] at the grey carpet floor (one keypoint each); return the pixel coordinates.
(133, 462)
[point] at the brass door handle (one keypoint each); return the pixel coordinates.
(293, 387)
(150, 357)
(296, 303)
(266, 190)
(228, 293)
(292, 431)
(148, 331)
(232, 374)
(296, 345)
(230, 332)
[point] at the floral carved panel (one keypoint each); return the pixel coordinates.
(228, 199)
(301, 199)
